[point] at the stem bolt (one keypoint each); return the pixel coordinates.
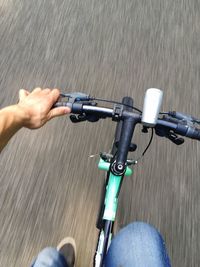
(120, 167)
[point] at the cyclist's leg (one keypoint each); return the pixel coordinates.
(137, 245)
(50, 257)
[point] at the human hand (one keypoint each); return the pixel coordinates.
(36, 107)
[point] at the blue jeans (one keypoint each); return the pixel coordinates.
(137, 245)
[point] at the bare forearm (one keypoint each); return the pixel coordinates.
(11, 120)
(32, 111)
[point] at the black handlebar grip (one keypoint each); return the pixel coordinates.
(193, 133)
(188, 131)
(76, 108)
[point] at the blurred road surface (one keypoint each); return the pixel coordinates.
(49, 187)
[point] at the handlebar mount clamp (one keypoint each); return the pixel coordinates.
(117, 112)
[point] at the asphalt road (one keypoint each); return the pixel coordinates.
(49, 187)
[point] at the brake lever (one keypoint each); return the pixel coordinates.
(83, 117)
(77, 96)
(72, 98)
(77, 118)
(169, 135)
(184, 117)
(175, 138)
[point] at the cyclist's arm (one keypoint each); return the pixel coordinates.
(32, 111)
(11, 120)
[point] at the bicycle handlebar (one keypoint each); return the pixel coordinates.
(178, 127)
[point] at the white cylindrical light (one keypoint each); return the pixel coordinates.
(151, 107)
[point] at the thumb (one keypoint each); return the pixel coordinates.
(55, 112)
(22, 94)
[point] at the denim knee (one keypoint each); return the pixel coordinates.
(138, 244)
(49, 257)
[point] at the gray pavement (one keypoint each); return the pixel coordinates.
(49, 187)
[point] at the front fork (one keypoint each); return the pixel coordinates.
(104, 240)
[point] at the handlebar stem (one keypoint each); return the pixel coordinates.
(118, 167)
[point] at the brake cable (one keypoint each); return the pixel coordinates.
(150, 141)
(145, 150)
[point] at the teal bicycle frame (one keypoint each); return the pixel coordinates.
(112, 191)
(113, 186)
